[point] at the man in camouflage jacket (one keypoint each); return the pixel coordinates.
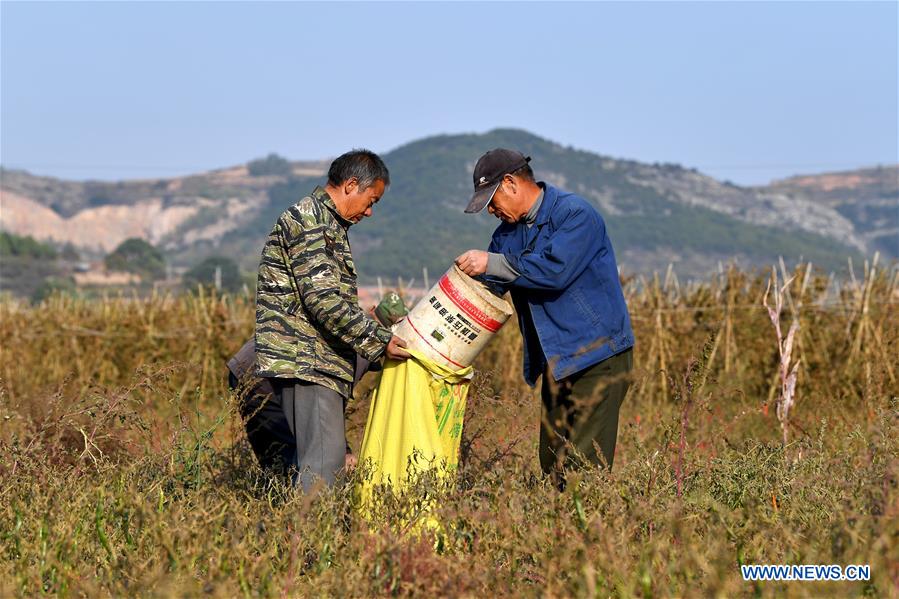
(309, 325)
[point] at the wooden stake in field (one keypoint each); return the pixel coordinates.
(660, 344)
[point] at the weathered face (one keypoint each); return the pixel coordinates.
(359, 202)
(506, 202)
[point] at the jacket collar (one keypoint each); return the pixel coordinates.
(550, 195)
(322, 196)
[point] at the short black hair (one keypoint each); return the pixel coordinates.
(525, 172)
(366, 166)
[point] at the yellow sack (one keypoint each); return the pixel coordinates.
(414, 423)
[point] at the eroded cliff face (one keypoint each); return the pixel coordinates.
(101, 228)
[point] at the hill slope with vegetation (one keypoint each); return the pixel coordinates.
(656, 213)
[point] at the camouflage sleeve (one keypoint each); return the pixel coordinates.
(318, 283)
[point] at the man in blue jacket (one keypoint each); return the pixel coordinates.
(553, 253)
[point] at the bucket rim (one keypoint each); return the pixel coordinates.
(495, 302)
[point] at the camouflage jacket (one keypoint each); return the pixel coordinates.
(309, 324)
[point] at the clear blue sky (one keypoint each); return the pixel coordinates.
(743, 91)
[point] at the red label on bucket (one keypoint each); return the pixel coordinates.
(478, 315)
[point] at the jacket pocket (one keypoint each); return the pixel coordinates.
(584, 307)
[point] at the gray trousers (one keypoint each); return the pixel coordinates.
(315, 416)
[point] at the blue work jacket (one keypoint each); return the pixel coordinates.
(570, 306)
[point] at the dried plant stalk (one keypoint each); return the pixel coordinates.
(788, 370)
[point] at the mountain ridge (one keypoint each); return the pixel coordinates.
(656, 213)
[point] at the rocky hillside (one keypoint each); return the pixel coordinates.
(867, 198)
(657, 213)
(177, 213)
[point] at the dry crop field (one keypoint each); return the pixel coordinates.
(125, 472)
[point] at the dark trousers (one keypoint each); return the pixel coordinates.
(267, 429)
(579, 424)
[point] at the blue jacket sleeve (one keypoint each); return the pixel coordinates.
(494, 245)
(564, 256)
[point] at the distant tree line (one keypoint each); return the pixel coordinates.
(24, 247)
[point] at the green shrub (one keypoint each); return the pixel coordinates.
(204, 274)
(53, 286)
(139, 257)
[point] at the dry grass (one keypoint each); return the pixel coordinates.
(125, 473)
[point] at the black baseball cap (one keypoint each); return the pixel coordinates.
(489, 172)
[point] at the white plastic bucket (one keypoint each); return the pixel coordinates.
(455, 320)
